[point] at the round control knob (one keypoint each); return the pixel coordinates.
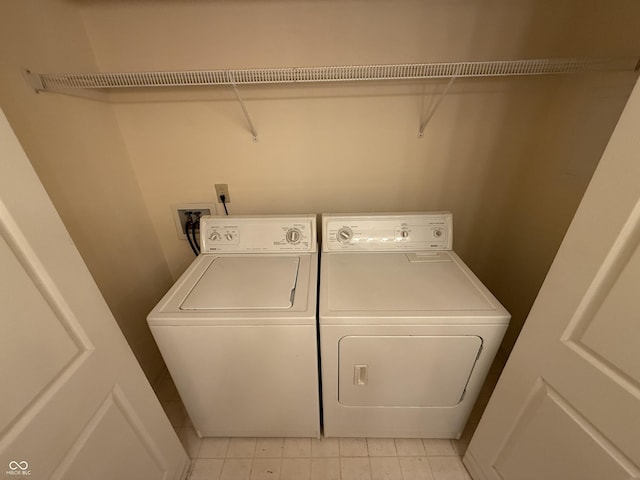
(404, 233)
(214, 236)
(293, 236)
(437, 233)
(228, 236)
(344, 235)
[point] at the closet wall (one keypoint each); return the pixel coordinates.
(509, 157)
(77, 150)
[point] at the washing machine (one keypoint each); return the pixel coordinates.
(407, 331)
(238, 330)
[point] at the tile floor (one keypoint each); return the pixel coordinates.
(325, 459)
(312, 458)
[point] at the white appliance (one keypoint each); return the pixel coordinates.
(238, 330)
(407, 331)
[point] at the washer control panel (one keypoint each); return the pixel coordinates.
(260, 234)
(387, 232)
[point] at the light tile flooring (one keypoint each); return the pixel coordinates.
(325, 459)
(312, 458)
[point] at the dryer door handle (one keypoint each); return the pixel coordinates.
(360, 374)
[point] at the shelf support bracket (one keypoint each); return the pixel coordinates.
(244, 109)
(34, 81)
(436, 105)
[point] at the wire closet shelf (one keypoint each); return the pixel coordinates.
(345, 73)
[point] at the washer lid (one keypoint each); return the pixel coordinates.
(397, 282)
(245, 283)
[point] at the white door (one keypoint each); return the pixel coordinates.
(568, 403)
(74, 403)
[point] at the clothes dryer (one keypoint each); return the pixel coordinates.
(407, 331)
(238, 330)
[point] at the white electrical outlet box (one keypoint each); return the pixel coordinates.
(223, 189)
(180, 213)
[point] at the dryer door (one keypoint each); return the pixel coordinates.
(405, 371)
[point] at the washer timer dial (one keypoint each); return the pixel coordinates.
(294, 235)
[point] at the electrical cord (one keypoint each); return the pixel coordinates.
(223, 199)
(187, 228)
(195, 226)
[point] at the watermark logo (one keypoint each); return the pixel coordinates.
(18, 468)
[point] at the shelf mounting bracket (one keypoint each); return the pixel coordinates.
(436, 105)
(244, 109)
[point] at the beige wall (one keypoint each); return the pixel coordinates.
(510, 157)
(78, 152)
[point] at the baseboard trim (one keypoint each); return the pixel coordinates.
(473, 467)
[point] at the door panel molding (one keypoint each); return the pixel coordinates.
(21, 248)
(547, 411)
(115, 403)
(613, 267)
(44, 285)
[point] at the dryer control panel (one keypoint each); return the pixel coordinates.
(259, 234)
(387, 232)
